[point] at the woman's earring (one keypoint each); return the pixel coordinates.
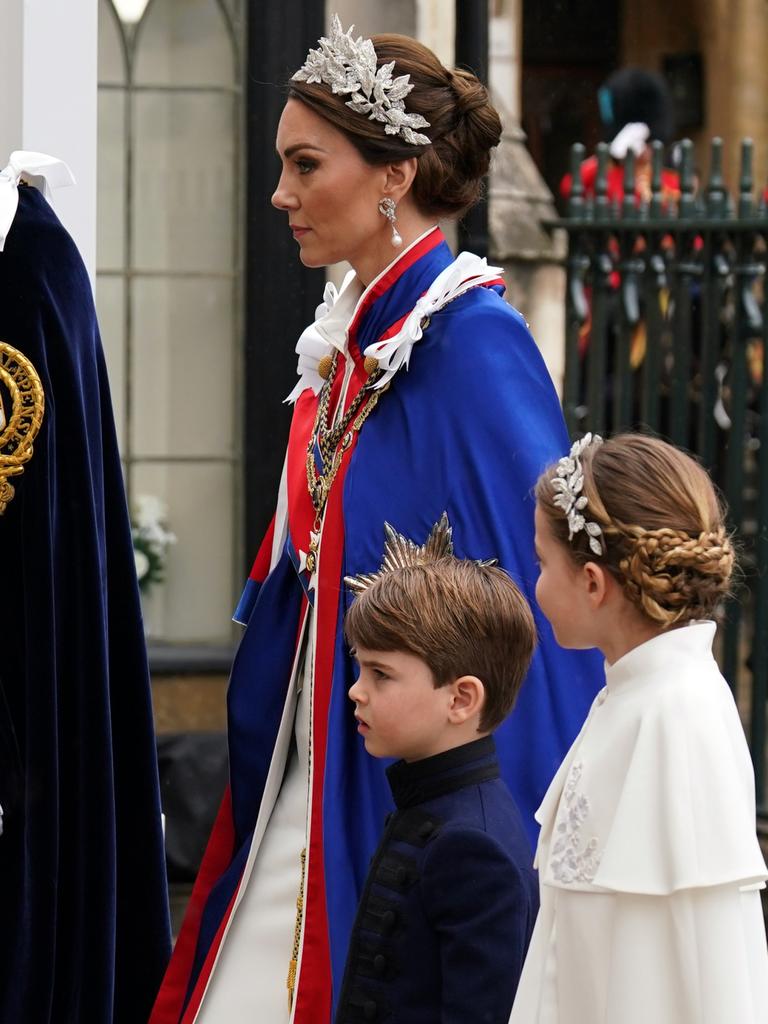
(387, 208)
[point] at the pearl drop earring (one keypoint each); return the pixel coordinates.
(387, 207)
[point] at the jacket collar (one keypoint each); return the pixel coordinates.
(416, 782)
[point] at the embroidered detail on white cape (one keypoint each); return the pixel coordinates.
(467, 271)
(571, 859)
(664, 763)
(42, 171)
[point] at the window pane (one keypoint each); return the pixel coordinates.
(110, 306)
(110, 225)
(182, 367)
(185, 173)
(111, 55)
(184, 42)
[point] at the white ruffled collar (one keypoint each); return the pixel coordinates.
(340, 307)
(42, 171)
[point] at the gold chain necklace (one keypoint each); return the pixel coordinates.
(294, 962)
(334, 443)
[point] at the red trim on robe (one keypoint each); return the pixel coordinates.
(313, 984)
(261, 563)
(431, 241)
(216, 860)
(205, 972)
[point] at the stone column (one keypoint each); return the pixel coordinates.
(48, 78)
(520, 202)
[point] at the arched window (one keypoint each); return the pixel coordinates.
(168, 287)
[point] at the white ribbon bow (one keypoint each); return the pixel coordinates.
(42, 171)
(467, 271)
(312, 346)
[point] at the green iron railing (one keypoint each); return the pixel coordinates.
(667, 330)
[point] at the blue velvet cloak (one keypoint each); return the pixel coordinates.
(84, 930)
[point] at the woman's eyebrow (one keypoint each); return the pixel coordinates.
(300, 145)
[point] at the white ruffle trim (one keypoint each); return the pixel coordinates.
(467, 271)
(42, 171)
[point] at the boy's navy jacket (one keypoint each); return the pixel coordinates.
(450, 900)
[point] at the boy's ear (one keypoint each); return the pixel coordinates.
(467, 699)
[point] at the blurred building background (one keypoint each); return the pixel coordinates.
(199, 291)
(176, 78)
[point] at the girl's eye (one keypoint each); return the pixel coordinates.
(305, 166)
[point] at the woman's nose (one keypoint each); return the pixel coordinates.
(281, 198)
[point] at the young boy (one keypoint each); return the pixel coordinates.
(451, 896)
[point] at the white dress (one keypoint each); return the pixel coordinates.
(649, 865)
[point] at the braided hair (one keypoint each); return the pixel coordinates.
(664, 534)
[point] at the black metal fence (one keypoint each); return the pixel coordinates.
(667, 330)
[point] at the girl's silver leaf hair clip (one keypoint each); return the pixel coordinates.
(568, 485)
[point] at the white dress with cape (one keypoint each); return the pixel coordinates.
(650, 868)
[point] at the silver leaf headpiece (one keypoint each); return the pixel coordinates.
(568, 485)
(349, 67)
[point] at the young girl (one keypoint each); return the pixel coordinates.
(648, 861)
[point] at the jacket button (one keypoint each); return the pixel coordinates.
(388, 919)
(426, 830)
(379, 963)
(369, 1009)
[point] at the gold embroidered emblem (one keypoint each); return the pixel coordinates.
(19, 377)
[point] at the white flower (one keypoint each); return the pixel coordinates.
(142, 564)
(149, 510)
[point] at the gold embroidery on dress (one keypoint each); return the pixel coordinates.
(27, 398)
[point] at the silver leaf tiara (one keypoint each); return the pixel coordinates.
(568, 485)
(349, 66)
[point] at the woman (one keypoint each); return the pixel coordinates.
(421, 393)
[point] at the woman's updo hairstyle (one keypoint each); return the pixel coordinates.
(464, 127)
(664, 533)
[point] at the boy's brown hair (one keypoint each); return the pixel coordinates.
(461, 618)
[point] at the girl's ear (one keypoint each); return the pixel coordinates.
(598, 582)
